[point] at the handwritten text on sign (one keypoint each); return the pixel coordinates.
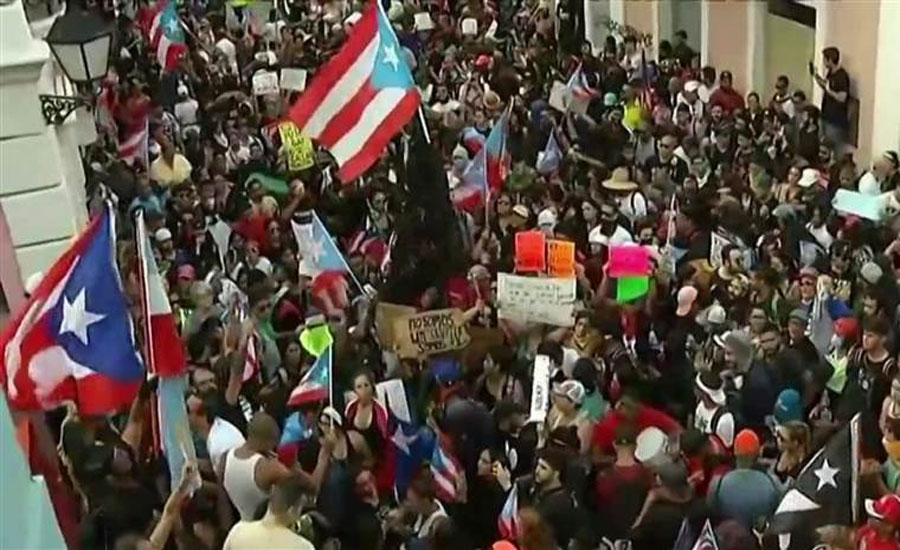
(540, 389)
(536, 299)
(297, 148)
(430, 332)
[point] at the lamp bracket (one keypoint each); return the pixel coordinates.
(57, 107)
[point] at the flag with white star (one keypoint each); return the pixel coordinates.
(73, 339)
(361, 98)
(166, 35)
(826, 490)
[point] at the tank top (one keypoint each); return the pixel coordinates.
(240, 484)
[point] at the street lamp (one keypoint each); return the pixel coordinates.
(81, 40)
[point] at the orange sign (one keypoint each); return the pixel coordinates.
(531, 252)
(561, 258)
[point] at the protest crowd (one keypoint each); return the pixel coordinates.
(437, 275)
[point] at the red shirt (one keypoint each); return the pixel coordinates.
(605, 431)
(869, 540)
(730, 100)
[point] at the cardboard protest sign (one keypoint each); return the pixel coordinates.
(631, 288)
(870, 207)
(536, 300)
(297, 147)
(293, 79)
(559, 96)
(430, 332)
(265, 83)
(385, 315)
(629, 261)
(540, 389)
(560, 258)
(531, 252)
(469, 26)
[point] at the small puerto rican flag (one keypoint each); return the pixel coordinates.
(446, 469)
(316, 385)
(508, 523)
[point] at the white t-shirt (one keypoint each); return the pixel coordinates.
(186, 111)
(703, 418)
(229, 51)
(223, 436)
(619, 237)
(265, 533)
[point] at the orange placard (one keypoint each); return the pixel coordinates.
(531, 252)
(561, 258)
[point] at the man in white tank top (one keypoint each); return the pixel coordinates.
(250, 471)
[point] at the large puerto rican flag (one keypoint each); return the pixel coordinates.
(315, 385)
(166, 35)
(164, 353)
(361, 98)
(73, 339)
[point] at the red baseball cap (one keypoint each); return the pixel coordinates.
(886, 508)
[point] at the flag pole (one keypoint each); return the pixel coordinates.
(424, 124)
(330, 376)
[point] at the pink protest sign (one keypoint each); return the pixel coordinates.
(629, 261)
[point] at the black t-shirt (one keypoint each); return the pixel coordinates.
(833, 111)
(677, 168)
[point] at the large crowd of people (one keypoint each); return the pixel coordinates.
(772, 318)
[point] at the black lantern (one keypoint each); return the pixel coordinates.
(81, 40)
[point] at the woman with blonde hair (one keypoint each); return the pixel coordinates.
(793, 440)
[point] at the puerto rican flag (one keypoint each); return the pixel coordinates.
(316, 384)
(446, 469)
(166, 35)
(73, 339)
(579, 87)
(487, 171)
(361, 98)
(164, 352)
(323, 262)
(508, 522)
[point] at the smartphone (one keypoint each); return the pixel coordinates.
(812, 68)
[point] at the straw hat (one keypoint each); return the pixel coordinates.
(619, 181)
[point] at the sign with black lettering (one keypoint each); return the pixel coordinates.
(430, 332)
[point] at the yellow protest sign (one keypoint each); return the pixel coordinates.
(560, 258)
(297, 147)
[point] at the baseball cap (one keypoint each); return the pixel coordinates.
(746, 443)
(572, 389)
(809, 177)
(520, 210)
(788, 406)
(886, 508)
(546, 218)
(711, 384)
(162, 235)
(871, 272)
(187, 272)
(809, 273)
(686, 298)
(798, 314)
(503, 545)
(847, 328)
(714, 315)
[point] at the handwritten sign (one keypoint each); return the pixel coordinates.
(560, 258)
(297, 147)
(540, 389)
(385, 315)
(293, 79)
(629, 261)
(265, 83)
(430, 332)
(536, 300)
(531, 252)
(870, 207)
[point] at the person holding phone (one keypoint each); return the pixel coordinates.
(835, 85)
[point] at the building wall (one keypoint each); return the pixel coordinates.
(791, 48)
(641, 14)
(41, 178)
(886, 123)
(852, 27)
(728, 38)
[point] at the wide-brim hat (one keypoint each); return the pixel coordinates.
(717, 395)
(619, 181)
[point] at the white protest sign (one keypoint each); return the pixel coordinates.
(392, 394)
(422, 21)
(221, 235)
(265, 83)
(559, 96)
(293, 79)
(536, 299)
(540, 389)
(469, 26)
